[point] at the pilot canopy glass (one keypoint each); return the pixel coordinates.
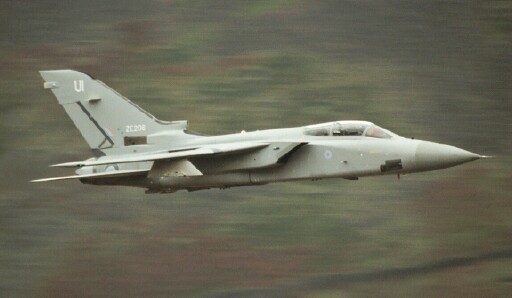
(344, 129)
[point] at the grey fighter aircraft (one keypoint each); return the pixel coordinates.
(133, 148)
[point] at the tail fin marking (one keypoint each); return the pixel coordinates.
(104, 117)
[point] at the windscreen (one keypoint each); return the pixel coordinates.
(348, 129)
(376, 132)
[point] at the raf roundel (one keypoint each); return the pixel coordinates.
(328, 154)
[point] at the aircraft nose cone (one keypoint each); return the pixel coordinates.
(432, 156)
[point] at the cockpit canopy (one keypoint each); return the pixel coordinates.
(347, 128)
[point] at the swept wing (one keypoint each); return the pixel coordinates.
(95, 175)
(176, 154)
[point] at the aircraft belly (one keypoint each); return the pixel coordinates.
(206, 181)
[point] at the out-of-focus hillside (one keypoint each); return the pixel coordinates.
(435, 70)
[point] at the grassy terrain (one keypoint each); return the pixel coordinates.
(436, 70)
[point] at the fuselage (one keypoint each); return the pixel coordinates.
(343, 149)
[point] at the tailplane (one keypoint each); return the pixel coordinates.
(108, 121)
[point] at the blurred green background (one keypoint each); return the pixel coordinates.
(435, 70)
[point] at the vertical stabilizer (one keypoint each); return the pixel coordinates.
(108, 121)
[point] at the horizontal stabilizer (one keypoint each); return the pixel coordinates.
(96, 175)
(142, 157)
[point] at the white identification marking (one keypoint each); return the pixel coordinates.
(135, 128)
(79, 85)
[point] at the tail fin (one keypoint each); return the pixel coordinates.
(107, 120)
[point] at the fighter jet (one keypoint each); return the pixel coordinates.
(133, 148)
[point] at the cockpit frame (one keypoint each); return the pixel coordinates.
(347, 129)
